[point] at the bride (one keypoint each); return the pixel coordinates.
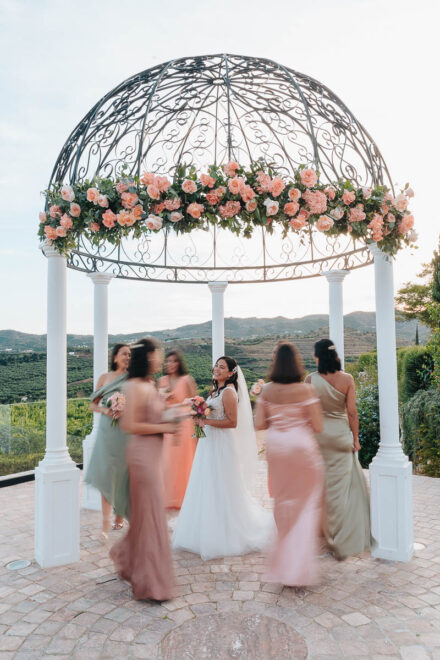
(218, 515)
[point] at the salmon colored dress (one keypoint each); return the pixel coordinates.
(179, 449)
(296, 473)
(143, 556)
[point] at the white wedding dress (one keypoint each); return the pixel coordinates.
(218, 515)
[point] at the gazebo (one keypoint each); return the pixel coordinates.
(201, 111)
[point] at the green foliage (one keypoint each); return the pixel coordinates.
(363, 370)
(420, 425)
(369, 430)
(414, 369)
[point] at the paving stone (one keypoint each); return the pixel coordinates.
(356, 619)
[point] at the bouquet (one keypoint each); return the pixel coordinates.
(116, 403)
(257, 387)
(200, 411)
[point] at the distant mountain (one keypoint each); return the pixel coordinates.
(235, 328)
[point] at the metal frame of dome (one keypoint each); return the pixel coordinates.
(208, 110)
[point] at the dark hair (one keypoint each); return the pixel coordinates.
(232, 364)
(182, 370)
(139, 366)
(115, 350)
(328, 360)
(287, 365)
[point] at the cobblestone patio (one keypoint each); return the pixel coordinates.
(364, 608)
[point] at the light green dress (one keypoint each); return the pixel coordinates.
(348, 503)
(107, 470)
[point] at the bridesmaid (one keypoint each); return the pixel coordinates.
(348, 505)
(107, 470)
(143, 556)
(178, 450)
(291, 413)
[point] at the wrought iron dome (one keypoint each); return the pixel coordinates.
(208, 110)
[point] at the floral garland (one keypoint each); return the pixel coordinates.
(231, 197)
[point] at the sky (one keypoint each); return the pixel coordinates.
(58, 57)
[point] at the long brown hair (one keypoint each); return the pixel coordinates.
(182, 370)
(232, 365)
(140, 366)
(287, 365)
(115, 350)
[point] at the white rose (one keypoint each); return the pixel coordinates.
(409, 192)
(154, 222)
(401, 202)
(67, 193)
(366, 192)
(413, 236)
(337, 213)
(271, 206)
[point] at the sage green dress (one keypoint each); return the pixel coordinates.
(347, 497)
(107, 470)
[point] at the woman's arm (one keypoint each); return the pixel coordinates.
(261, 423)
(230, 406)
(135, 400)
(352, 413)
(94, 406)
(315, 411)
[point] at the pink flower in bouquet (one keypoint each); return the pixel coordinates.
(409, 192)
(229, 209)
(137, 211)
(54, 211)
(94, 227)
(116, 403)
(163, 183)
(173, 204)
(265, 182)
(147, 179)
(366, 192)
(324, 223)
(153, 191)
(42, 216)
(251, 205)
(337, 213)
(235, 185)
(272, 207)
(66, 221)
(278, 186)
(67, 193)
(200, 411)
(50, 232)
(247, 193)
(158, 208)
(309, 178)
(303, 215)
(388, 197)
(207, 180)
(75, 210)
(230, 168)
(121, 187)
(195, 210)
(220, 192)
(189, 186)
(406, 223)
(348, 197)
(129, 199)
(291, 208)
(412, 236)
(153, 222)
(391, 219)
(294, 194)
(212, 198)
(401, 203)
(357, 214)
(257, 387)
(330, 192)
(376, 226)
(92, 195)
(316, 201)
(122, 218)
(384, 208)
(103, 201)
(61, 232)
(299, 222)
(176, 216)
(108, 219)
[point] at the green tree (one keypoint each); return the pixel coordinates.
(421, 301)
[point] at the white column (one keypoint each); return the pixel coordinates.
(56, 477)
(218, 319)
(390, 470)
(91, 498)
(335, 279)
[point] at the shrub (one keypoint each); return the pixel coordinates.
(369, 431)
(420, 428)
(415, 365)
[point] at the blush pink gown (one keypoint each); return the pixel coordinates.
(296, 474)
(143, 556)
(178, 450)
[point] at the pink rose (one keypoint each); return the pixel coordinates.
(330, 192)
(247, 193)
(137, 212)
(189, 186)
(337, 213)
(299, 222)
(176, 216)
(303, 215)
(406, 223)
(230, 168)
(42, 216)
(389, 197)
(294, 194)
(103, 201)
(207, 181)
(251, 205)
(235, 185)
(67, 193)
(66, 221)
(348, 197)
(61, 232)
(212, 198)
(229, 209)
(147, 179)
(220, 192)
(92, 195)
(153, 222)
(309, 178)
(121, 187)
(163, 183)
(384, 208)
(265, 182)
(108, 219)
(152, 191)
(272, 207)
(172, 204)
(366, 192)
(317, 201)
(123, 218)
(54, 211)
(409, 192)
(50, 232)
(357, 214)
(291, 208)
(376, 223)
(324, 223)
(75, 210)
(391, 219)
(158, 208)
(94, 227)
(129, 200)
(401, 203)
(412, 236)
(195, 210)
(278, 186)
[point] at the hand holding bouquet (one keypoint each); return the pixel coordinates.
(200, 411)
(116, 403)
(257, 387)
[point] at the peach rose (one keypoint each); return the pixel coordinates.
(42, 216)
(298, 222)
(294, 194)
(67, 193)
(50, 232)
(406, 223)
(391, 219)
(409, 192)
(158, 208)
(61, 232)
(412, 236)
(212, 198)
(130, 219)
(278, 186)
(309, 178)
(108, 219)
(388, 197)
(251, 205)
(230, 168)
(153, 222)
(348, 197)
(247, 193)
(123, 218)
(376, 223)
(195, 210)
(176, 216)
(147, 179)
(103, 201)
(291, 208)
(94, 227)
(163, 183)
(337, 213)
(384, 208)
(189, 186)
(330, 192)
(265, 182)
(220, 192)
(235, 185)
(366, 192)
(153, 191)
(92, 195)
(272, 207)
(137, 212)
(121, 187)
(75, 210)
(207, 180)
(357, 214)
(317, 201)
(54, 211)
(324, 223)
(303, 215)
(172, 204)
(66, 221)
(401, 203)
(229, 209)
(129, 200)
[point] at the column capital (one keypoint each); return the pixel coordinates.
(100, 278)
(49, 250)
(335, 275)
(217, 287)
(377, 252)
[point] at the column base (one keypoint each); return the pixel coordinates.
(391, 509)
(91, 498)
(56, 514)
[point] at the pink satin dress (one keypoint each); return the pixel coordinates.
(143, 556)
(178, 450)
(296, 474)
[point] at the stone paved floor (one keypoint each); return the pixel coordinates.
(364, 608)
